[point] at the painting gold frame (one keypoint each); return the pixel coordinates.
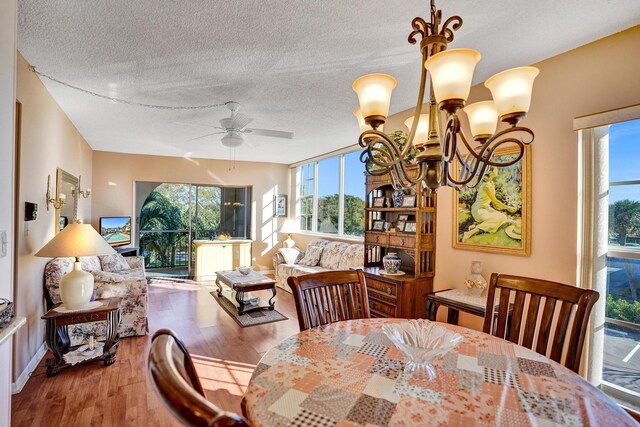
(472, 233)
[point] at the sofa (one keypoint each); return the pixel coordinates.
(114, 276)
(334, 256)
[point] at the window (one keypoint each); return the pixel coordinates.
(621, 362)
(305, 199)
(335, 187)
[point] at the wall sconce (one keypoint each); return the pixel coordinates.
(84, 193)
(57, 203)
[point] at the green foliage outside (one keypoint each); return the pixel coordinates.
(328, 210)
(621, 309)
(624, 221)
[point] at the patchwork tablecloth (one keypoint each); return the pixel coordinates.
(349, 374)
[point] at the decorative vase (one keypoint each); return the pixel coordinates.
(476, 284)
(397, 197)
(391, 263)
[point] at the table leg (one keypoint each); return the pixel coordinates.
(219, 287)
(452, 316)
(240, 301)
(432, 310)
(58, 342)
(272, 303)
(113, 337)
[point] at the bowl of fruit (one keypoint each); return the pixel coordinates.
(223, 236)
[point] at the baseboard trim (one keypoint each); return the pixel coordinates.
(17, 386)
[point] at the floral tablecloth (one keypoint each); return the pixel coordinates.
(349, 374)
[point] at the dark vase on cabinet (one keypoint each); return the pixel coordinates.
(410, 232)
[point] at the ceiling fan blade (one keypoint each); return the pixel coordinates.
(240, 121)
(272, 133)
(204, 136)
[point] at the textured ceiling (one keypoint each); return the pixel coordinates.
(289, 63)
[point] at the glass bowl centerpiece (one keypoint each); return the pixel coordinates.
(421, 341)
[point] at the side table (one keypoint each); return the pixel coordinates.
(457, 300)
(57, 332)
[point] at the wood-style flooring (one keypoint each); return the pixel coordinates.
(120, 395)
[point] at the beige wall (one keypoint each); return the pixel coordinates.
(114, 177)
(593, 78)
(49, 140)
(8, 19)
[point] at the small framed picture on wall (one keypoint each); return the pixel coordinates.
(280, 205)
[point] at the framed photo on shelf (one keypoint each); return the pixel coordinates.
(400, 224)
(409, 201)
(378, 202)
(495, 216)
(280, 205)
(410, 227)
(403, 217)
(387, 226)
(377, 225)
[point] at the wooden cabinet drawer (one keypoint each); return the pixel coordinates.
(377, 239)
(384, 308)
(402, 241)
(383, 287)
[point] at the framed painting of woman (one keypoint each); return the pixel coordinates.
(495, 216)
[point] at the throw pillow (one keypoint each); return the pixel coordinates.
(312, 256)
(290, 255)
(114, 263)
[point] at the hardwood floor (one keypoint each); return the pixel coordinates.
(120, 395)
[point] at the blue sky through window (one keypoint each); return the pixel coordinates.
(624, 159)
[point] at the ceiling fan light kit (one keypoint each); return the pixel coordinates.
(435, 134)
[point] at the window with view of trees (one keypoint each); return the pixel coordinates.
(335, 186)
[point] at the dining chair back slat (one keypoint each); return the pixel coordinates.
(331, 296)
(516, 316)
(554, 333)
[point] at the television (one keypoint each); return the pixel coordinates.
(116, 230)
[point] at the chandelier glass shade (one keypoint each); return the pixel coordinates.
(436, 133)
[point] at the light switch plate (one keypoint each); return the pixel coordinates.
(3, 243)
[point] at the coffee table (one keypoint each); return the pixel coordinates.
(242, 284)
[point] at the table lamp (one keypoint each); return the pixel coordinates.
(76, 240)
(289, 227)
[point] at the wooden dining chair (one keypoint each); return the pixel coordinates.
(329, 296)
(549, 326)
(174, 378)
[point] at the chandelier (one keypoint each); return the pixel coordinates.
(435, 136)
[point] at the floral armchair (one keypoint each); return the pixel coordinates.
(114, 276)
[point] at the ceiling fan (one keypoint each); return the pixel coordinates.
(235, 127)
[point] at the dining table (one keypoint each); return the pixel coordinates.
(349, 373)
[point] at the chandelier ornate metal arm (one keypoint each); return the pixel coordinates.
(437, 150)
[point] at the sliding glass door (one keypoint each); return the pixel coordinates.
(172, 216)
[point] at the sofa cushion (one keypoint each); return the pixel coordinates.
(311, 256)
(114, 263)
(318, 242)
(290, 255)
(90, 263)
(352, 257)
(331, 255)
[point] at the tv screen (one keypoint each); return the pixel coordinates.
(116, 230)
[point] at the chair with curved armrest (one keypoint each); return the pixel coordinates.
(329, 296)
(527, 321)
(176, 382)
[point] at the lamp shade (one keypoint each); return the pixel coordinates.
(483, 118)
(511, 89)
(289, 226)
(374, 94)
(76, 240)
(451, 73)
(422, 131)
